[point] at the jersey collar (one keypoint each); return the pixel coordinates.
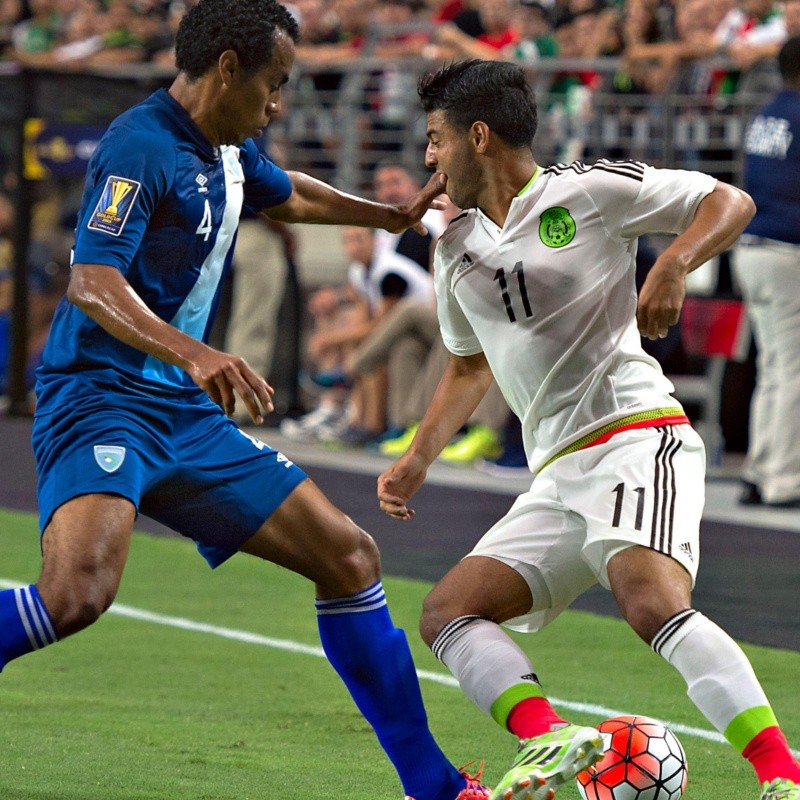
(527, 186)
(492, 227)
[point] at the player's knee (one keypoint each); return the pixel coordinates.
(645, 613)
(437, 611)
(358, 566)
(77, 605)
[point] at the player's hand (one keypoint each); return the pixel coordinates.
(223, 376)
(410, 213)
(660, 301)
(398, 484)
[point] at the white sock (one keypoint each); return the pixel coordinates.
(719, 678)
(483, 658)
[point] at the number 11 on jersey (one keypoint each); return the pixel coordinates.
(500, 277)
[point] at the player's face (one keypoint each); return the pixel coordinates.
(257, 99)
(450, 153)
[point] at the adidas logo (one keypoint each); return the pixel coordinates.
(540, 757)
(686, 549)
(466, 263)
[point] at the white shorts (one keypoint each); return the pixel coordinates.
(641, 487)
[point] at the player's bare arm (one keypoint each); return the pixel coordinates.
(720, 218)
(314, 201)
(103, 294)
(463, 385)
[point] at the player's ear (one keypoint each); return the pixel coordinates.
(228, 66)
(479, 135)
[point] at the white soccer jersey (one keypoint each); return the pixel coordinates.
(550, 298)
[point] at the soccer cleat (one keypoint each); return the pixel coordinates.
(474, 789)
(394, 448)
(545, 763)
(780, 789)
(479, 441)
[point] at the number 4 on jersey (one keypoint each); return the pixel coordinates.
(204, 228)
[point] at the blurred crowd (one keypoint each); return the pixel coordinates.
(651, 37)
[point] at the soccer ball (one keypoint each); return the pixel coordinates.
(644, 761)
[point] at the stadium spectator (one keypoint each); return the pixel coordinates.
(34, 38)
(477, 34)
(261, 259)
(533, 20)
(617, 495)
(394, 183)
(11, 12)
(378, 279)
(132, 402)
(767, 267)
(315, 131)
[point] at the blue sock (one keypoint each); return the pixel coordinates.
(373, 659)
(25, 624)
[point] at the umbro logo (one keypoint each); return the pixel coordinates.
(466, 263)
(201, 180)
(686, 549)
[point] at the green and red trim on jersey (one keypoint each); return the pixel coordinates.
(654, 418)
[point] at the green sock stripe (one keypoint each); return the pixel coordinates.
(747, 725)
(501, 707)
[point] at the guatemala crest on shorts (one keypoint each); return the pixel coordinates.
(109, 456)
(115, 204)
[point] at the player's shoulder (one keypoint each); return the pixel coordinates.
(458, 227)
(601, 170)
(140, 129)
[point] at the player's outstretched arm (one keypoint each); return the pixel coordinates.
(314, 201)
(464, 383)
(103, 294)
(720, 218)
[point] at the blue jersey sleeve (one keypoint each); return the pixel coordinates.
(265, 184)
(127, 176)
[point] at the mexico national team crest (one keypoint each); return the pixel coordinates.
(556, 227)
(109, 456)
(114, 206)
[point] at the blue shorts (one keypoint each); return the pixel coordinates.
(180, 461)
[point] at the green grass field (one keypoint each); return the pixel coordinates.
(139, 708)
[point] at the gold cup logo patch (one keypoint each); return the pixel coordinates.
(119, 189)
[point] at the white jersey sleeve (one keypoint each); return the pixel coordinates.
(457, 333)
(666, 202)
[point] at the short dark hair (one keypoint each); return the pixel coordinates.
(246, 26)
(494, 92)
(789, 59)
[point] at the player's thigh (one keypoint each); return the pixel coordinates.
(84, 550)
(642, 487)
(476, 586)
(541, 540)
(223, 485)
(309, 535)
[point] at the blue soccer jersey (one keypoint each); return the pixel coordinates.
(162, 205)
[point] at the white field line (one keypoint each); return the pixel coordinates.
(309, 650)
